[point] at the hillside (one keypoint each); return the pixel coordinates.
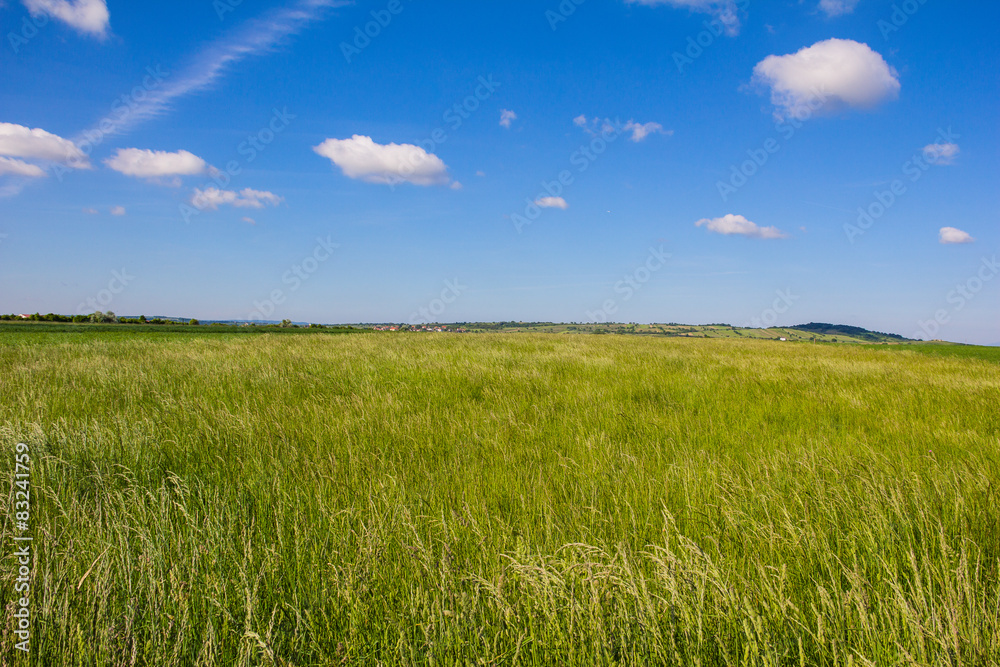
(813, 332)
(844, 330)
(819, 333)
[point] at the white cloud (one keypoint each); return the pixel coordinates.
(724, 11)
(361, 158)
(19, 168)
(507, 117)
(148, 164)
(838, 7)
(118, 210)
(826, 77)
(642, 130)
(594, 126)
(951, 236)
(738, 225)
(37, 144)
(941, 154)
(86, 16)
(552, 202)
(212, 198)
(250, 221)
(90, 211)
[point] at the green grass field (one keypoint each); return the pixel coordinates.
(501, 499)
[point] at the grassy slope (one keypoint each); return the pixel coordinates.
(523, 499)
(687, 331)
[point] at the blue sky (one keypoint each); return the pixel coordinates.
(260, 159)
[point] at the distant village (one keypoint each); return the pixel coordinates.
(439, 328)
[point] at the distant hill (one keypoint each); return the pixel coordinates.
(813, 332)
(808, 333)
(845, 330)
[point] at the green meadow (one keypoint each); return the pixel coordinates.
(226, 498)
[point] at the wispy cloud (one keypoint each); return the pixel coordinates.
(726, 12)
(941, 154)
(642, 130)
(838, 7)
(205, 68)
(507, 117)
(212, 198)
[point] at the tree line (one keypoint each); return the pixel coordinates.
(95, 318)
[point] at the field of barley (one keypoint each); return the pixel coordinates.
(498, 499)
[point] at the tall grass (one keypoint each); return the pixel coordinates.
(495, 499)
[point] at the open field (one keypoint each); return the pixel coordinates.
(322, 499)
